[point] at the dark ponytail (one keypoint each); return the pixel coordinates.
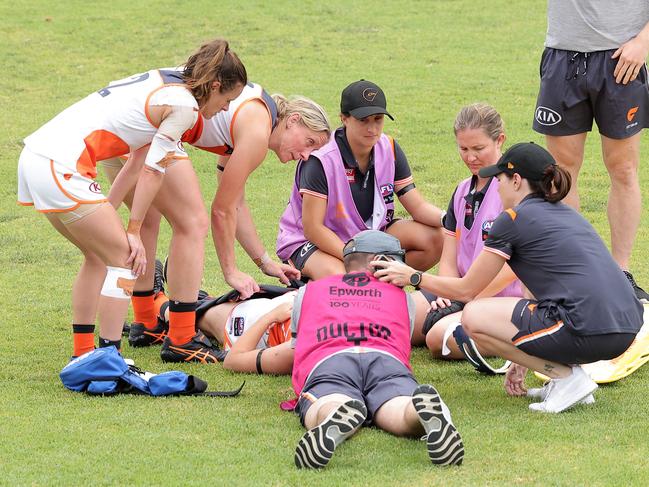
(554, 186)
(214, 61)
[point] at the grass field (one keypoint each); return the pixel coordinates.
(430, 57)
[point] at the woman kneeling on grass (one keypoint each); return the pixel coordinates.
(575, 318)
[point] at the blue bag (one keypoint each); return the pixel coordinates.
(103, 371)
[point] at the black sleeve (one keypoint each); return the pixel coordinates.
(312, 176)
(503, 235)
(450, 220)
(401, 168)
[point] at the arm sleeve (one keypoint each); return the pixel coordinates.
(166, 146)
(295, 314)
(502, 236)
(412, 312)
(402, 172)
(450, 220)
(313, 178)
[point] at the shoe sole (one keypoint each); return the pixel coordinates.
(443, 441)
(317, 446)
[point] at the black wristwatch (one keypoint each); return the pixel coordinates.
(415, 279)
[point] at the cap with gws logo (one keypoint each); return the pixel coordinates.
(526, 158)
(362, 99)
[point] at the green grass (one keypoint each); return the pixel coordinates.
(430, 58)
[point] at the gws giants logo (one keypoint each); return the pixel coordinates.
(94, 187)
(356, 280)
(369, 94)
(547, 116)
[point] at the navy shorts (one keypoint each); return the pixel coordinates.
(544, 334)
(372, 377)
(578, 87)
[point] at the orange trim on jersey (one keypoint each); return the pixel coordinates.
(236, 112)
(458, 234)
(403, 182)
(24, 204)
(100, 145)
(193, 134)
(511, 213)
(538, 334)
(146, 103)
(394, 151)
(279, 333)
(497, 252)
(221, 150)
(313, 193)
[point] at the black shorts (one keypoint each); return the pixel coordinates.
(372, 377)
(302, 254)
(579, 87)
(543, 333)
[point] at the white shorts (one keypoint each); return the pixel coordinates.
(51, 187)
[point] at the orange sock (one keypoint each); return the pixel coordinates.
(158, 301)
(182, 322)
(143, 308)
(83, 338)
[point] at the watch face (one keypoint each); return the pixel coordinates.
(415, 279)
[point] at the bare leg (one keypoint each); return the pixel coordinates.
(421, 310)
(89, 280)
(435, 338)
(99, 234)
(568, 151)
(181, 203)
(398, 416)
(624, 200)
(488, 322)
(423, 244)
(321, 264)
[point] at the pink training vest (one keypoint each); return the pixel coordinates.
(471, 241)
(346, 311)
(341, 216)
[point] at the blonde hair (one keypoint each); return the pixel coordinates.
(312, 115)
(213, 61)
(480, 116)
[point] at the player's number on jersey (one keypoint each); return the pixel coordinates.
(128, 81)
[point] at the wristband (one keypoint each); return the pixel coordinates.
(258, 361)
(264, 259)
(134, 227)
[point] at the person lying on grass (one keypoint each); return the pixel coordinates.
(255, 333)
(352, 360)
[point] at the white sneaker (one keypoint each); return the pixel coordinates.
(542, 392)
(566, 392)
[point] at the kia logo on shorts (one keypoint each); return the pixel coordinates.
(547, 116)
(94, 187)
(356, 280)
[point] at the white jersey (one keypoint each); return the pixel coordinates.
(216, 134)
(246, 314)
(110, 122)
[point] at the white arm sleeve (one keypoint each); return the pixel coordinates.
(166, 146)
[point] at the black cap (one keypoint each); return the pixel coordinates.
(375, 242)
(362, 99)
(526, 158)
